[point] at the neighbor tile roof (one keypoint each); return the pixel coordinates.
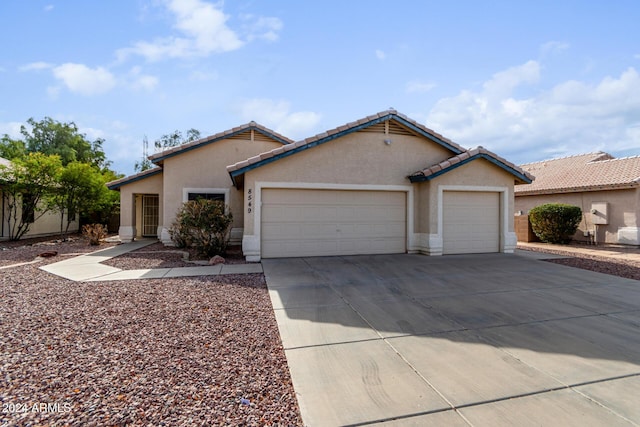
(391, 114)
(158, 157)
(584, 172)
(465, 157)
(114, 185)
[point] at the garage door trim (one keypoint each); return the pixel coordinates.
(257, 203)
(507, 241)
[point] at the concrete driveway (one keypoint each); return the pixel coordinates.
(482, 340)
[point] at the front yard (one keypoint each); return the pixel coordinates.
(186, 351)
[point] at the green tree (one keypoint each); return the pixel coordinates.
(63, 139)
(27, 186)
(12, 148)
(80, 190)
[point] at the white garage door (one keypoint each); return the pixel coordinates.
(298, 222)
(471, 222)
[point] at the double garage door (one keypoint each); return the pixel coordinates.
(302, 222)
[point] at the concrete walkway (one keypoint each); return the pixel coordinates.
(462, 340)
(88, 267)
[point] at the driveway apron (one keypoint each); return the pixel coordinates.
(481, 340)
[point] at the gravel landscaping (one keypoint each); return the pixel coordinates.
(617, 267)
(28, 249)
(158, 255)
(173, 352)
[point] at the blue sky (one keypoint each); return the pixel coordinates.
(529, 80)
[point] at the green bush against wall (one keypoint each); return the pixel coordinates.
(555, 222)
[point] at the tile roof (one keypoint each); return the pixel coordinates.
(584, 172)
(467, 156)
(116, 184)
(158, 157)
(391, 114)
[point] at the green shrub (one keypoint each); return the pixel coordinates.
(555, 222)
(95, 233)
(204, 225)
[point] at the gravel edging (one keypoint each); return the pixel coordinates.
(614, 266)
(174, 352)
(157, 255)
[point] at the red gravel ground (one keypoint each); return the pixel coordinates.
(173, 352)
(158, 255)
(616, 267)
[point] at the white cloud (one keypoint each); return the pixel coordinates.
(203, 30)
(261, 27)
(79, 78)
(142, 81)
(48, 8)
(278, 116)
(203, 76)
(380, 55)
(571, 117)
(417, 86)
(11, 128)
(554, 47)
(36, 66)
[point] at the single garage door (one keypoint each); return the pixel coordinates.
(299, 222)
(471, 222)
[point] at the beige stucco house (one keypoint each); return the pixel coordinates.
(605, 188)
(43, 225)
(382, 184)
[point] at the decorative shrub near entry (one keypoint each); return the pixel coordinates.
(555, 222)
(204, 225)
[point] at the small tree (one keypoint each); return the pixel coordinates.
(80, 188)
(204, 225)
(555, 222)
(27, 187)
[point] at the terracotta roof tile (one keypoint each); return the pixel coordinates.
(453, 161)
(112, 185)
(584, 172)
(218, 136)
(346, 127)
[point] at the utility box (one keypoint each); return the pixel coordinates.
(600, 213)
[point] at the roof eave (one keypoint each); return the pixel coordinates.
(115, 185)
(160, 157)
(585, 189)
(301, 146)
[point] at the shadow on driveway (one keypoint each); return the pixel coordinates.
(374, 338)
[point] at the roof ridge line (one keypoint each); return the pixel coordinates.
(566, 157)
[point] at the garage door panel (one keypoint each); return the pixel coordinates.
(332, 222)
(471, 222)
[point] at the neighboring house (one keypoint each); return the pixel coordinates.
(382, 184)
(605, 188)
(47, 224)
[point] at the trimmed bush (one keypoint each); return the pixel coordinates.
(204, 225)
(555, 222)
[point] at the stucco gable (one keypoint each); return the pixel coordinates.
(521, 176)
(253, 129)
(115, 185)
(237, 170)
